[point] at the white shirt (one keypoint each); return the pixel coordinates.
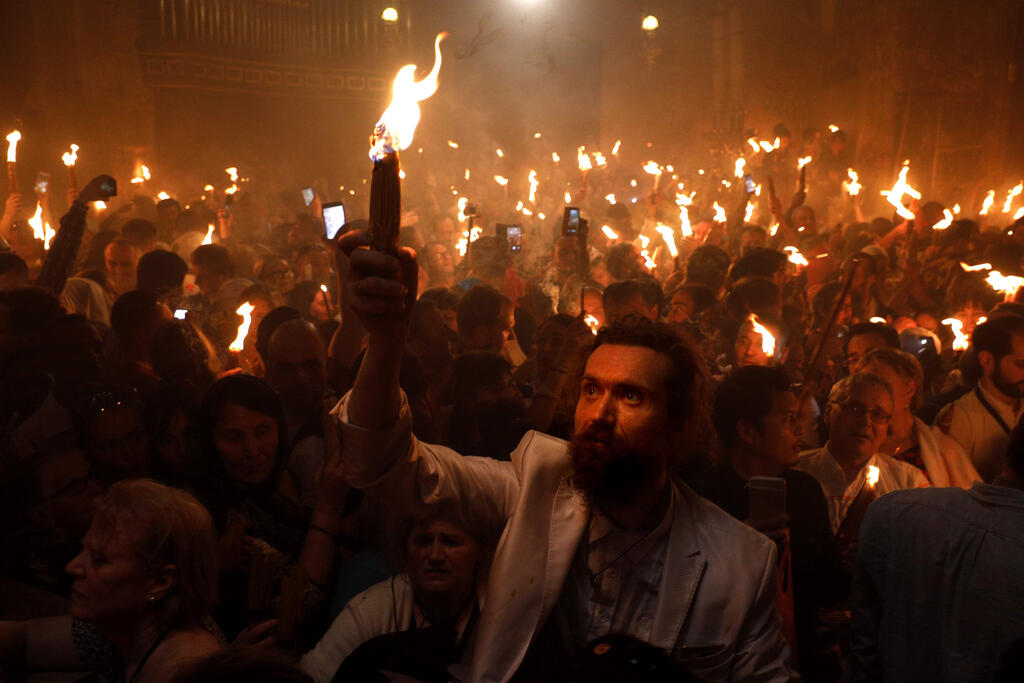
(893, 475)
(614, 580)
(970, 424)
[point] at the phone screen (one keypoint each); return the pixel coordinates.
(334, 219)
(41, 186)
(749, 182)
(180, 313)
(571, 221)
(514, 235)
(307, 195)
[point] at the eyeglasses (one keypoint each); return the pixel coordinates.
(858, 409)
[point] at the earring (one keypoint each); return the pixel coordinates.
(151, 597)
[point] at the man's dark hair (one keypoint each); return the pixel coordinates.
(130, 311)
(271, 321)
(995, 335)
(708, 265)
(746, 395)
(215, 257)
(480, 305)
(703, 296)
(12, 263)
(687, 381)
(160, 272)
(646, 289)
(889, 335)
(445, 299)
(758, 262)
(758, 295)
(621, 261)
(139, 232)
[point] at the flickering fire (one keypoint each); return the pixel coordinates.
(833, 128)
(980, 266)
(615, 147)
(555, 158)
(960, 340)
(533, 186)
(872, 476)
(463, 201)
(945, 222)
(685, 229)
(1019, 214)
(803, 161)
(591, 322)
(568, 198)
(1011, 195)
(767, 146)
(1007, 284)
(720, 216)
(670, 238)
(609, 233)
(610, 198)
(245, 310)
(739, 167)
(878, 319)
(69, 158)
(990, 199)
(12, 147)
(209, 235)
(795, 257)
(852, 187)
(583, 159)
(652, 168)
(99, 204)
(899, 189)
(753, 145)
(475, 233)
(599, 159)
(500, 153)
(396, 126)
(767, 339)
(537, 136)
(749, 212)
(141, 174)
(37, 223)
(956, 209)
(453, 145)
(774, 229)
(209, 188)
(501, 180)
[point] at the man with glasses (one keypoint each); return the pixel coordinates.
(858, 412)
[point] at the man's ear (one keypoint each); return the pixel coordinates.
(987, 361)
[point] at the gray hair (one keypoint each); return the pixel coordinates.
(903, 364)
(842, 389)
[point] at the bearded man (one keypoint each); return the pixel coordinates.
(982, 419)
(597, 535)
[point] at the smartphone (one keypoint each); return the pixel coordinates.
(42, 182)
(513, 236)
(570, 221)
(307, 195)
(180, 313)
(749, 183)
(334, 219)
(766, 497)
(109, 187)
(229, 201)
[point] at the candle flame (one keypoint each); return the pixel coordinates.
(610, 198)
(500, 153)
(537, 135)
(879, 320)
(245, 310)
(141, 174)
(100, 204)
(395, 129)
(767, 338)
(37, 223)
(609, 233)
(739, 166)
(960, 340)
(1007, 284)
(945, 222)
(852, 187)
(69, 158)
(899, 189)
(591, 322)
(980, 266)
(12, 147)
(833, 128)
(803, 161)
(720, 216)
(568, 198)
(583, 159)
(501, 180)
(615, 147)
(533, 186)
(670, 238)
(209, 235)
(872, 476)
(652, 168)
(555, 158)
(453, 145)
(599, 159)
(990, 199)
(1011, 195)
(795, 257)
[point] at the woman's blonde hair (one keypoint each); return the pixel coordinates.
(164, 525)
(903, 364)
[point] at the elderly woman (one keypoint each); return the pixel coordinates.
(143, 582)
(909, 439)
(385, 626)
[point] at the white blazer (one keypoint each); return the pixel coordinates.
(716, 609)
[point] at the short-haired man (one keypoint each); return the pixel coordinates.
(858, 412)
(937, 589)
(213, 267)
(632, 297)
(864, 337)
(121, 259)
(486, 319)
(598, 537)
(981, 420)
(162, 273)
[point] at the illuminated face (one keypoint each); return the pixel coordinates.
(246, 443)
(682, 307)
(1008, 374)
(442, 562)
(858, 425)
(121, 261)
(860, 345)
(779, 436)
(748, 347)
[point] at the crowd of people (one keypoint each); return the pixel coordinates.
(654, 440)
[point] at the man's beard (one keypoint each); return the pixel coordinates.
(1005, 386)
(605, 468)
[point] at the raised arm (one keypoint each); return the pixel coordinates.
(64, 249)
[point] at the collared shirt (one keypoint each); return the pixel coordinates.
(893, 475)
(971, 425)
(615, 579)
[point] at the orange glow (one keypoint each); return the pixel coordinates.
(767, 338)
(803, 161)
(209, 235)
(610, 198)
(533, 186)
(960, 340)
(990, 199)
(453, 145)
(501, 180)
(852, 187)
(396, 126)
(69, 158)
(568, 198)
(980, 266)
(670, 238)
(833, 128)
(583, 159)
(12, 147)
(947, 220)
(591, 322)
(162, 196)
(1011, 195)
(739, 167)
(555, 158)
(599, 159)
(795, 257)
(899, 189)
(720, 216)
(141, 174)
(609, 233)
(1007, 284)
(500, 153)
(245, 310)
(871, 478)
(615, 148)
(652, 168)
(37, 223)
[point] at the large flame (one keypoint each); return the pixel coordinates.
(69, 158)
(1011, 195)
(990, 199)
(767, 338)
(1007, 284)
(852, 187)
(37, 223)
(803, 161)
(209, 235)
(609, 233)
(945, 221)
(720, 216)
(872, 476)
(533, 186)
(245, 310)
(795, 257)
(397, 124)
(583, 159)
(670, 238)
(591, 322)
(12, 148)
(960, 340)
(739, 168)
(141, 174)
(899, 189)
